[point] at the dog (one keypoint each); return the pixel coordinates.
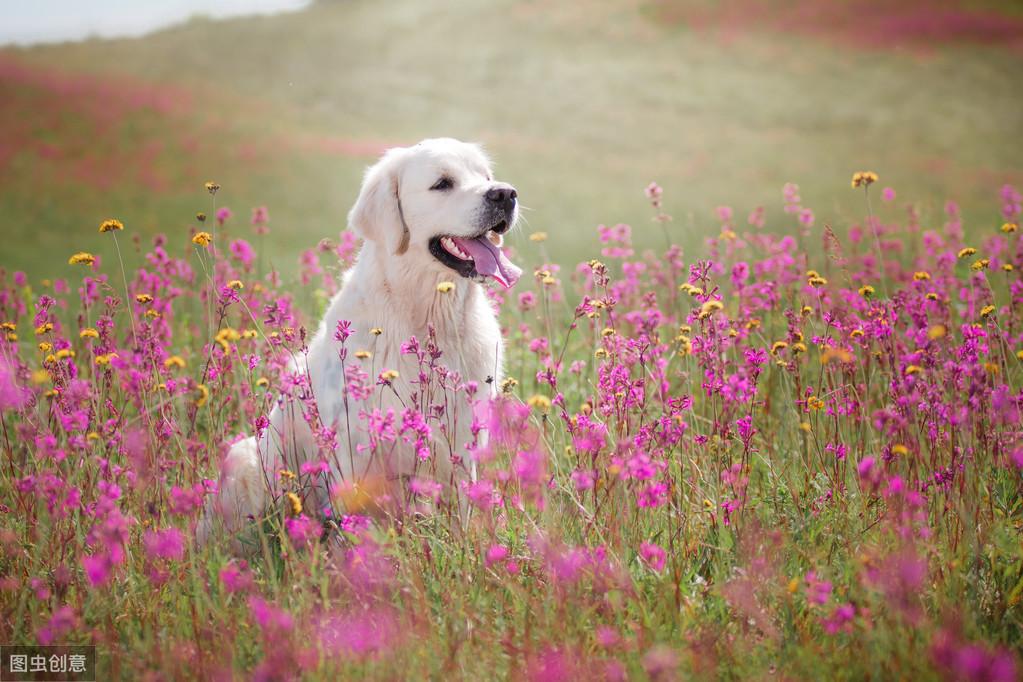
(430, 216)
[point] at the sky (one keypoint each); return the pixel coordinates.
(41, 21)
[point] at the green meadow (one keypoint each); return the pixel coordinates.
(581, 105)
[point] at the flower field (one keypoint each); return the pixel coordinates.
(794, 454)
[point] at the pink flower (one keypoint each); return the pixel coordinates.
(236, 576)
(817, 591)
(164, 544)
(97, 568)
(653, 555)
(496, 554)
(303, 531)
(270, 618)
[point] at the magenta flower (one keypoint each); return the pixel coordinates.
(236, 577)
(496, 554)
(164, 544)
(653, 556)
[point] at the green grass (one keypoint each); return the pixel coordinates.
(580, 106)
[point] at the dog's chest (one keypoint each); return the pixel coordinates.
(381, 343)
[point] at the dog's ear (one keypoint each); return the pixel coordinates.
(377, 215)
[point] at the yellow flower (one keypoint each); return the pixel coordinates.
(363, 354)
(815, 403)
(201, 217)
(806, 310)
(1007, 267)
(539, 402)
(810, 274)
(778, 345)
(607, 331)
(40, 376)
(793, 585)
(817, 282)
(830, 353)
(980, 264)
(204, 395)
(921, 275)
(1008, 228)
(986, 311)
(202, 239)
(508, 384)
(45, 347)
(936, 332)
(804, 426)
(900, 449)
(600, 353)
(104, 360)
(294, 503)
(67, 353)
(250, 334)
(111, 225)
(690, 289)
(968, 251)
(92, 435)
(709, 308)
(174, 361)
(235, 284)
(389, 375)
(856, 333)
(152, 314)
(548, 280)
(913, 369)
(44, 328)
(262, 382)
(81, 258)
(144, 299)
(1019, 355)
(8, 326)
(863, 178)
(866, 291)
(88, 333)
(287, 474)
(212, 187)
(931, 296)
(376, 331)
(445, 287)
(538, 237)
(798, 348)
(226, 336)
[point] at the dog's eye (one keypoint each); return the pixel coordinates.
(443, 184)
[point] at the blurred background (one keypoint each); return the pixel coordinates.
(114, 108)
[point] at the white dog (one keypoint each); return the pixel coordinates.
(428, 214)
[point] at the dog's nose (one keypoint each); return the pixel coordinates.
(502, 196)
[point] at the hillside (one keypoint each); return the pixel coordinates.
(581, 108)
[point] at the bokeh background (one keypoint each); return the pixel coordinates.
(581, 104)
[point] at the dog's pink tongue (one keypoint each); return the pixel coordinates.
(490, 260)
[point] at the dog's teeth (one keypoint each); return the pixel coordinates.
(451, 247)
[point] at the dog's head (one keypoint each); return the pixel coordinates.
(438, 205)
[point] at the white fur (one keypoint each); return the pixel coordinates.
(397, 292)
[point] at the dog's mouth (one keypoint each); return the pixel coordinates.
(479, 256)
